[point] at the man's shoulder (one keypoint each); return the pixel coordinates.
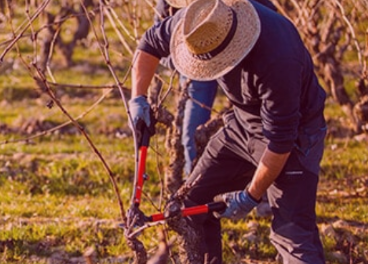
(268, 4)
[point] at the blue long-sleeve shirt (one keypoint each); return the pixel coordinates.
(274, 90)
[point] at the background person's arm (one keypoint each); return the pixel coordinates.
(143, 70)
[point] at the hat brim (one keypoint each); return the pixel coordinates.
(244, 39)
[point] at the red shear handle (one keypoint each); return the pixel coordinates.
(144, 143)
(140, 178)
(200, 209)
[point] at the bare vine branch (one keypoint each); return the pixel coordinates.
(19, 36)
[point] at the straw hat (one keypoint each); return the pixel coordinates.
(213, 37)
(179, 3)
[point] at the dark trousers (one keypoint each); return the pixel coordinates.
(228, 164)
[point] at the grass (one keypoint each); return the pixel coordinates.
(54, 191)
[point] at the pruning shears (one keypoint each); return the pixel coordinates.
(135, 213)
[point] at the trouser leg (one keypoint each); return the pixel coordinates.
(294, 232)
(232, 173)
(195, 115)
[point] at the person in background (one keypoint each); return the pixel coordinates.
(197, 111)
(272, 141)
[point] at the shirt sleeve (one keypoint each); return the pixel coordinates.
(280, 92)
(268, 4)
(156, 40)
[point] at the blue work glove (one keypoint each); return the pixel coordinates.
(239, 204)
(139, 109)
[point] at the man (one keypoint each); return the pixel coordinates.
(273, 140)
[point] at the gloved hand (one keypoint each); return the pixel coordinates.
(139, 109)
(239, 204)
(143, 119)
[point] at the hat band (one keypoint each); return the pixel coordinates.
(223, 45)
